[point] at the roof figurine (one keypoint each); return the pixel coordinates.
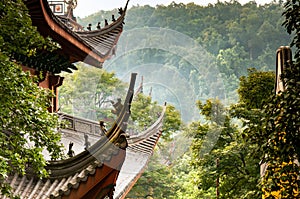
(120, 11)
(98, 25)
(105, 22)
(72, 4)
(71, 152)
(89, 27)
(118, 106)
(102, 127)
(113, 18)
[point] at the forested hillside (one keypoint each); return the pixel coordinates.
(219, 26)
(196, 52)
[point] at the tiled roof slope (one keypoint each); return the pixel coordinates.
(139, 150)
(29, 187)
(91, 47)
(90, 174)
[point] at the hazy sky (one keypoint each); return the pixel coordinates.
(87, 7)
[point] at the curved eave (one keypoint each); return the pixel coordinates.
(138, 153)
(91, 47)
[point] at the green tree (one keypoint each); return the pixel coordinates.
(144, 112)
(233, 61)
(254, 91)
(221, 149)
(26, 127)
(219, 153)
(172, 122)
(90, 92)
(17, 35)
(255, 88)
(212, 40)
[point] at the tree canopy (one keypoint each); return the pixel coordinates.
(90, 92)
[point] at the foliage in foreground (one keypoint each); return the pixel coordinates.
(26, 126)
(281, 124)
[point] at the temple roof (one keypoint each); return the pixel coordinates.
(92, 47)
(90, 174)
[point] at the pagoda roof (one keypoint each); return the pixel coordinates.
(140, 149)
(90, 174)
(92, 47)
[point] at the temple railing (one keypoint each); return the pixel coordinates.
(80, 125)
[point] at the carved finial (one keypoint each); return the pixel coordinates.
(71, 3)
(122, 141)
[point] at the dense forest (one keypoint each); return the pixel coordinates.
(203, 50)
(215, 64)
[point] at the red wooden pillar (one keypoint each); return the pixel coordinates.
(48, 81)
